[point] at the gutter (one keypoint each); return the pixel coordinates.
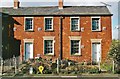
(60, 14)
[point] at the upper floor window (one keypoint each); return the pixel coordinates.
(96, 24)
(48, 23)
(28, 24)
(75, 24)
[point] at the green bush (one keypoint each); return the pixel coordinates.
(114, 53)
(93, 70)
(51, 68)
(47, 71)
(82, 69)
(107, 67)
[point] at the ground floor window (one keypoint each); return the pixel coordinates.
(48, 46)
(75, 47)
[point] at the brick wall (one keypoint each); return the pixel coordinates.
(87, 35)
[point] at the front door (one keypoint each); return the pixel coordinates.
(28, 51)
(96, 52)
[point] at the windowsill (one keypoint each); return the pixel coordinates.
(75, 54)
(75, 30)
(49, 54)
(49, 30)
(96, 30)
(29, 30)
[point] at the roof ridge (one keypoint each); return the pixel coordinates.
(53, 6)
(53, 10)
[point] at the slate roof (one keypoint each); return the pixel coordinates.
(67, 10)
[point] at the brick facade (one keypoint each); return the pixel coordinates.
(86, 35)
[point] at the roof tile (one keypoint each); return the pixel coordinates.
(68, 10)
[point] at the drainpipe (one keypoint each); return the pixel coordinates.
(60, 38)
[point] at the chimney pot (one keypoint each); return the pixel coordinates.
(16, 4)
(60, 4)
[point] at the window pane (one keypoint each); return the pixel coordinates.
(48, 46)
(95, 24)
(28, 24)
(48, 23)
(74, 24)
(74, 46)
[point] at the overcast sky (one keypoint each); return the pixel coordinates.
(113, 8)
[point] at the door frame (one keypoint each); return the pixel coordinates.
(28, 41)
(96, 41)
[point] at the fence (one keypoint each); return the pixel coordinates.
(9, 65)
(52, 67)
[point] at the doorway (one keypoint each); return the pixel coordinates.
(96, 52)
(28, 50)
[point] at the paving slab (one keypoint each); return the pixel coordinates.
(67, 77)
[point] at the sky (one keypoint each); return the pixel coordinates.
(113, 8)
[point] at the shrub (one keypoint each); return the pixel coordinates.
(82, 69)
(114, 53)
(107, 67)
(51, 68)
(93, 70)
(89, 63)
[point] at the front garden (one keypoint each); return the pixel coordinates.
(48, 66)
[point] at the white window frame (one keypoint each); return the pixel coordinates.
(78, 23)
(48, 38)
(25, 24)
(45, 26)
(99, 23)
(75, 38)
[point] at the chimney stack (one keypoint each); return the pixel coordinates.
(60, 4)
(16, 4)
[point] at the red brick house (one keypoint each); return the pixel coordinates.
(79, 33)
